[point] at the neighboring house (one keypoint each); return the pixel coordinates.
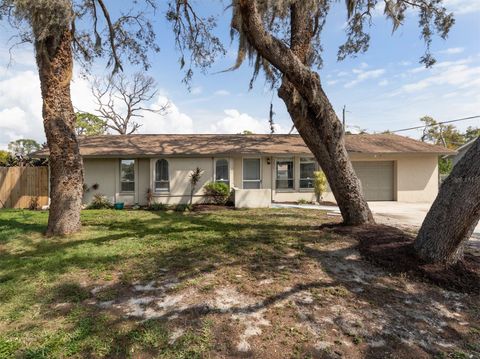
(261, 168)
(460, 152)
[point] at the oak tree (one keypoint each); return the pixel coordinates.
(284, 39)
(61, 30)
(454, 214)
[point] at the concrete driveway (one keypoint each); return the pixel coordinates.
(397, 214)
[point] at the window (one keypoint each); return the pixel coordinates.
(162, 182)
(127, 175)
(251, 173)
(285, 174)
(221, 171)
(307, 168)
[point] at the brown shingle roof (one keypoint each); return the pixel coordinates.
(153, 145)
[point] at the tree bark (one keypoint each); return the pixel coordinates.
(309, 107)
(454, 214)
(55, 64)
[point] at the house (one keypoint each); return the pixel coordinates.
(460, 152)
(261, 168)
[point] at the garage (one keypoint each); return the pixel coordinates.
(376, 178)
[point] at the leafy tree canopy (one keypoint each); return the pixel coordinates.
(23, 147)
(446, 135)
(4, 155)
(434, 19)
(96, 33)
(89, 125)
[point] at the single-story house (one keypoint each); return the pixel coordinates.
(261, 168)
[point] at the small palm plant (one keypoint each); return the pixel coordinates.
(195, 176)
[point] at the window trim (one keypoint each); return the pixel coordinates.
(260, 172)
(285, 159)
(226, 181)
(154, 177)
(134, 175)
(316, 168)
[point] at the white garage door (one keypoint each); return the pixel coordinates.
(376, 178)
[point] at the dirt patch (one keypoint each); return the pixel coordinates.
(392, 249)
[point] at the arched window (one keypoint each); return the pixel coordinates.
(162, 182)
(221, 171)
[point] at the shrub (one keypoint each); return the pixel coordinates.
(99, 201)
(182, 207)
(34, 203)
(216, 192)
(303, 201)
(158, 207)
(319, 184)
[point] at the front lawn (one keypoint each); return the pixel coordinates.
(246, 283)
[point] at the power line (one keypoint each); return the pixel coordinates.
(438, 123)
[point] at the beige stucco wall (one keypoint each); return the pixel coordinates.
(101, 172)
(415, 177)
(252, 198)
(179, 170)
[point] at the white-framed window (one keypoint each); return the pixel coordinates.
(284, 173)
(222, 171)
(162, 179)
(308, 166)
(127, 175)
(251, 173)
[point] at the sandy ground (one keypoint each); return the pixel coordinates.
(320, 301)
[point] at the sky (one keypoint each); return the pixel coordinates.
(383, 89)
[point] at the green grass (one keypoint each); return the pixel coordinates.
(45, 283)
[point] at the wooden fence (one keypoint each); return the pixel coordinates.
(22, 187)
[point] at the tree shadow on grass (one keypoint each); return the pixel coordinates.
(189, 247)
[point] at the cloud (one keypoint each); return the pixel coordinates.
(332, 82)
(460, 7)
(383, 83)
(174, 121)
(452, 51)
(20, 106)
(236, 122)
(453, 75)
(364, 75)
(197, 90)
(221, 93)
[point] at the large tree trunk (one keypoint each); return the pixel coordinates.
(454, 214)
(329, 150)
(309, 107)
(55, 64)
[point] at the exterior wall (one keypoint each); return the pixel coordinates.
(296, 194)
(252, 198)
(415, 177)
(179, 170)
(143, 181)
(101, 171)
